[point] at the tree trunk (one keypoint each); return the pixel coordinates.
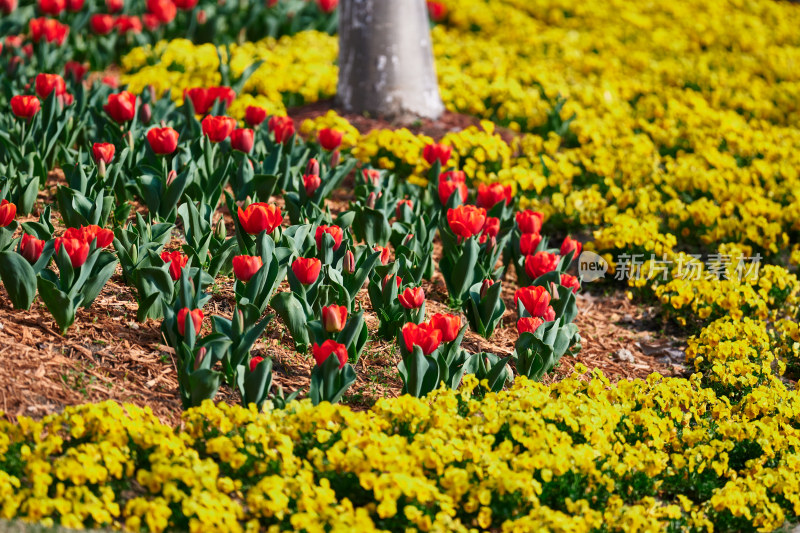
(386, 60)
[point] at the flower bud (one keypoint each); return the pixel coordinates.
(371, 199)
(485, 287)
(145, 113)
(202, 17)
(198, 359)
(349, 263)
(171, 176)
(313, 167)
(219, 230)
(131, 144)
(408, 239)
(335, 156)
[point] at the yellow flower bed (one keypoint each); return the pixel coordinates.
(573, 456)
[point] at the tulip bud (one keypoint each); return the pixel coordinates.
(247, 202)
(219, 231)
(311, 183)
(554, 291)
(485, 287)
(349, 263)
(371, 200)
(335, 156)
(408, 239)
(171, 176)
(101, 169)
(145, 113)
(198, 359)
(313, 167)
(202, 18)
(131, 144)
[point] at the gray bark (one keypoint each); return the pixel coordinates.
(386, 59)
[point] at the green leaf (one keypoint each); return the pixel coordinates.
(19, 279)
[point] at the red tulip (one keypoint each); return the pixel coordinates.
(75, 70)
(176, 262)
(449, 325)
(385, 254)
(334, 317)
(103, 152)
(529, 221)
(536, 301)
(31, 248)
(448, 186)
(322, 353)
(371, 176)
(8, 212)
(306, 269)
(570, 282)
(432, 152)
(327, 6)
(386, 279)
(52, 7)
(224, 94)
(529, 324)
(77, 250)
(196, 316)
(125, 24)
(255, 115)
(185, 5)
(281, 127)
(490, 195)
(412, 298)
(115, 6)
(51, 30)
(242, 140)
(101, 24)
(75, 5)
(399, 209)
(217, 129)
(121, 107)
(436, 10)
(110, 81)
(528, 243)
(199, 98)
(311, 183)
(571, 245)
(47, 83)
(260, 217)
(7, 6)
(92, 232)
(466, 220)
(329, 139)
(423, 335)
(254, 362)
(163, 10)
(491, 227)
(25, 106)
(333, 231)
(246, 266)
(453, 175)
(540, 263)
(163, 141)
